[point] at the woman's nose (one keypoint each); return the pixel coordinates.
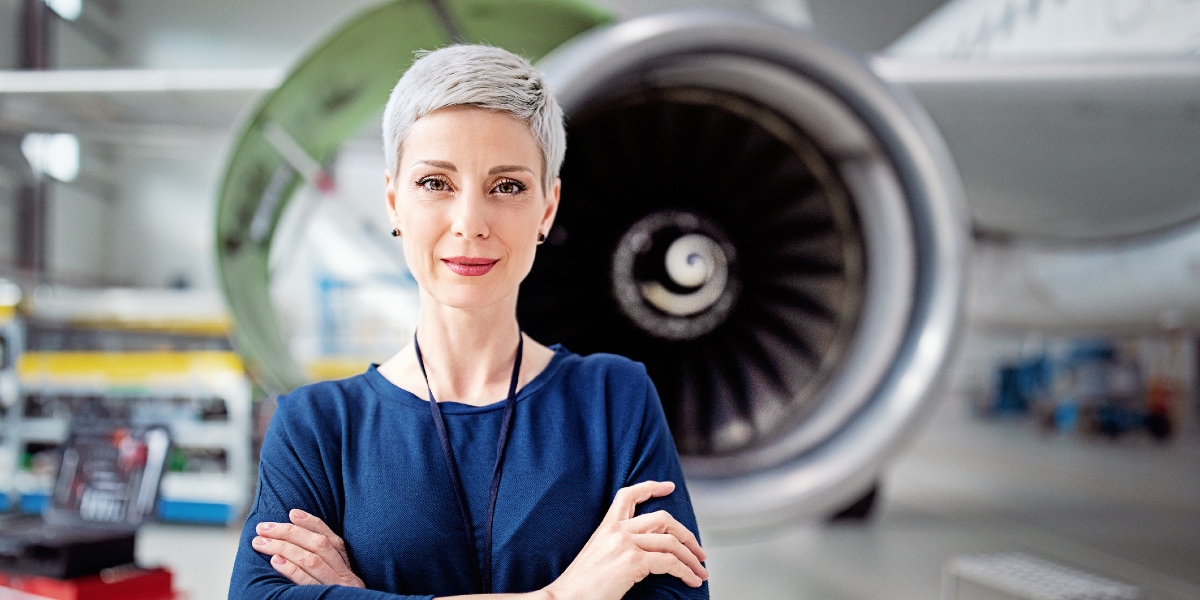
(470, 216)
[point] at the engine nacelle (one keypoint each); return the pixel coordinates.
(775, 232)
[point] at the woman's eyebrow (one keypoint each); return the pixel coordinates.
(508, 169)
(441, 164)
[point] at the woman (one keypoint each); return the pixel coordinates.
(412, 478)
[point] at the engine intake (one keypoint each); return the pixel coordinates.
(775, 232)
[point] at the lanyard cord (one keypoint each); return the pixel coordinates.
(483, 570)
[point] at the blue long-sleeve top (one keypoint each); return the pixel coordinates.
(363, 455)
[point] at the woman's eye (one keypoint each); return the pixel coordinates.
(434, 184)
(509, 187)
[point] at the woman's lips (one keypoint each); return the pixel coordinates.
(470, 266)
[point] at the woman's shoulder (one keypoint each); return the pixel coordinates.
(620, 380)
(603, 365)
(324, 401)
(613, 390)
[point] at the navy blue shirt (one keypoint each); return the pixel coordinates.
(364, 456)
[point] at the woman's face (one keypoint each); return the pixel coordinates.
(468, 200)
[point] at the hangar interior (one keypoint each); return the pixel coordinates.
(999, 395)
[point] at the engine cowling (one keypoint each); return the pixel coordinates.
(776, 233)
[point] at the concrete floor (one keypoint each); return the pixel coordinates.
(1128, 511)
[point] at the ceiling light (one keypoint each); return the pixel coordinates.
(53, 154)
(10, 293)
(67, 9)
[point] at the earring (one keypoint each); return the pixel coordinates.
(541, 237)
(395, 232)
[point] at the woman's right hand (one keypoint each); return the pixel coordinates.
(624, 549)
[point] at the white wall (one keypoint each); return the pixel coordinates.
(77, 45)
(225, 33)
(9, 12)
(164, 217)
(8, 232)
(79, 231)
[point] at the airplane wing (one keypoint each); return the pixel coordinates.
(1067, 149)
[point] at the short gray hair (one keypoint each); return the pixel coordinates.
(480, 76)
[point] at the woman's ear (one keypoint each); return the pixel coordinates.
(551, 206)
(389, 192)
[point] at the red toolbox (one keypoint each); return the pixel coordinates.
(125, 583)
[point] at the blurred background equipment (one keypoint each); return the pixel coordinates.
(1107, 387)
(10, 342)
(1016, 575)
(105, 487)
(148, 358)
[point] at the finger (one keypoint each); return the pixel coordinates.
(266, 545)
(320, 558)
(304, 538)
(333, 553)
(667, 564)
(314, 524)
(667, 544)
(662, 522)
(291, 571)
(311, 563)
(625, 502)
(310, 522)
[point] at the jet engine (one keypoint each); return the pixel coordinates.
(777, 234)
(747, 209)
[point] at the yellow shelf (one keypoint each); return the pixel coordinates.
(123, 368)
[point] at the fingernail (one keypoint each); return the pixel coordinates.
(277, 559)
(259, 541)
(265, 526)
(298, 514)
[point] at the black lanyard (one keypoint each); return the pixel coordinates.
(483, 571)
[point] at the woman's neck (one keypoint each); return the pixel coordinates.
(468, 354)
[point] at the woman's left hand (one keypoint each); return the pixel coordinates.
(306, 551)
